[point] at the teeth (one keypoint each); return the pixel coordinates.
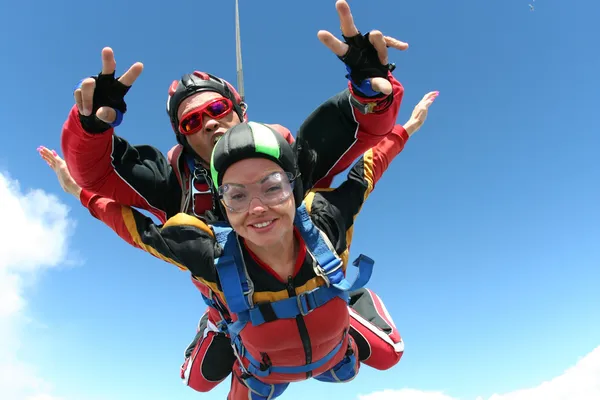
(262, 224)
(216, 139)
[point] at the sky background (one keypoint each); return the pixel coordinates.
(485, 230)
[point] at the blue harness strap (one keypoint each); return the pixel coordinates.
(237, 289)
(191, 165)
(326, 257)
(231, 270)
(319, 248)
(302, 304)
(260, 370)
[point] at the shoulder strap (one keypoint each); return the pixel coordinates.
(237, 288)
(231, 271)
(173, 158)
(321, 248)
(191, 164)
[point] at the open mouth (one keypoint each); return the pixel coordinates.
(216, 139)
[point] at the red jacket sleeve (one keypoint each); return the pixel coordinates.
(339, 133)
(385, 151)
(132, 226)
(107, 165)
(183, 240)
(334, 211)
(110, 213)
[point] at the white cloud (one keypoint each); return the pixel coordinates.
(34, 239)
(43, 396)
(580, 382)
(405, 394)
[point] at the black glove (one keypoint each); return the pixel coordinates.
(109, 92)
(362, 62)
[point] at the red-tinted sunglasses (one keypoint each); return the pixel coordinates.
(192, 121)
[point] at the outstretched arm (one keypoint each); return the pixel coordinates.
(106, 164)
(346, 201)
(350, 123)
(183, 240)
(339, 133)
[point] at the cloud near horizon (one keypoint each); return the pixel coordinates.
(580, 382)
(36, 241)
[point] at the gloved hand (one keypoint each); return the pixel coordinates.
(100, 99)
(365, 56)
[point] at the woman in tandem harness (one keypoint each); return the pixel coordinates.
(276, 270)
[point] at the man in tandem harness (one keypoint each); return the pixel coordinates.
(199, 103)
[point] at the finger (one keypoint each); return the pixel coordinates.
(334, 44)
(106, 114)
(57, 157)
(381, 85)
(395, 43)
(44, 151)
(87, 95)
(132, 74)
(346, 19)
(108, 61)
(78, 100)
(46, 154)
(428, 100)
(429, 95)
(47, 159)
(377, 40)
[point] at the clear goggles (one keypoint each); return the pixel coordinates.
(271, 190)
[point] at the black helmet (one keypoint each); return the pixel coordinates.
(251, 140)
(197, 82)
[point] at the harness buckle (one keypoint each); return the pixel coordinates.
(333, 265)
(196, 191)
(303, 304)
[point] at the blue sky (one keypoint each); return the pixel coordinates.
(485, 230)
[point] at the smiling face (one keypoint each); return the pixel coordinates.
(262, 225)
(203, 141)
